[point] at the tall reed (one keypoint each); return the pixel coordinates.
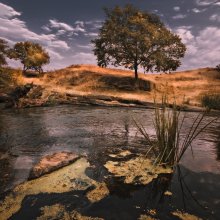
(167, 147)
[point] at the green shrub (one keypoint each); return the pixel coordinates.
(211, 101)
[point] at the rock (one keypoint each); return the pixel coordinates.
(51, 183)
(52, 162)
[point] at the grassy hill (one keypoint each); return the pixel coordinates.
(188, 87)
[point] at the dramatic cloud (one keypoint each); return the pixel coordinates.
(67, 36)
(13, 30)
(202, 49)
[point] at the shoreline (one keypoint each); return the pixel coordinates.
(99, 101)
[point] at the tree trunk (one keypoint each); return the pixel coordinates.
(24, 69)
(136, 72)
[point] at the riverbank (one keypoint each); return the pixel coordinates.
(91, 85)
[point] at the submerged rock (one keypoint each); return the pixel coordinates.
(52, 162)
(139, 170)
(59, 181)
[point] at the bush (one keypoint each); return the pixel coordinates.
(218, 68)
(211, 101)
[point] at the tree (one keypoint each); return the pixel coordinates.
(133, 38)
(31, 55)
(3, 52)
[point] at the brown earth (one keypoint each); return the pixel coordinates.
(87, 84)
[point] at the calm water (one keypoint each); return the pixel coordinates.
(28, 134)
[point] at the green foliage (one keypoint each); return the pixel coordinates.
(168, 149)
(3, 52)
(211, 101)
(132, 38)
(31, 55)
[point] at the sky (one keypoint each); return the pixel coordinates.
(65, 28)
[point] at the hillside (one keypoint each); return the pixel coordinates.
(91, 81)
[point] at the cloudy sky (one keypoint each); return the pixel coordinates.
(66, 27)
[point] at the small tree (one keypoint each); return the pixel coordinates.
(132, 38)
(3, 52)
(31, 55)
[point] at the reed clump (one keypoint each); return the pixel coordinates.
(169, 147)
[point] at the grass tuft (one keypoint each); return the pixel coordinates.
(167, 147)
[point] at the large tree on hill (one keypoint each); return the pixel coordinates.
(3, 52)
(133, 38)
(31, 55)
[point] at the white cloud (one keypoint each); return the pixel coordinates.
(196, 10)
(179, 16)
(88, 46)
(45, 28)
(203, 49)
(215, 17)
(176, 8)
(207, 2)
(80, 23)
(7, 11)
(91, 34)
(53, 23)
(62, 28)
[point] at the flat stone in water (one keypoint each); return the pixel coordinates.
(52, 162)
(56, 182)
(139, 170)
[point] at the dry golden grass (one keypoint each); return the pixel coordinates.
(188, 87)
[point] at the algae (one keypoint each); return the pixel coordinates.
(59, 181)
(146, 217)
(121, 154)
(100, 192)
(58, 211)
(185, 216)
(168, 193)
(139, 170)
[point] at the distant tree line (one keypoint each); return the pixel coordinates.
(32, 55)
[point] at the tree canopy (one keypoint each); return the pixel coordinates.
(3, 52)
(31, 55)
(133, 38)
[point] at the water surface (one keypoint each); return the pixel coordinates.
(28, 134)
